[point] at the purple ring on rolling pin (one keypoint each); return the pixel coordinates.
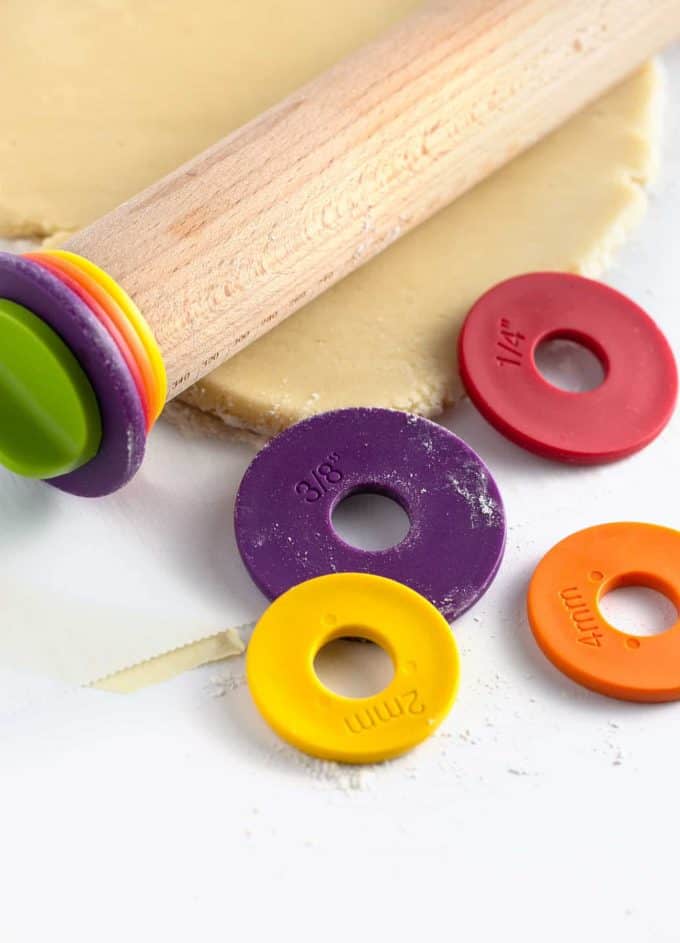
(286, 500)
(123, 426)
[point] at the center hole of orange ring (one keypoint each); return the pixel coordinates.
(639, 604)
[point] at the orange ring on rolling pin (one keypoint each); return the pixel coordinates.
(116, 316)
(134, 315)
(102, 315)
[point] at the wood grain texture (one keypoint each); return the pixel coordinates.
(228, 245)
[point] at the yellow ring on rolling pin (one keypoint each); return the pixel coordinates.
(307, 714)
(134, 316)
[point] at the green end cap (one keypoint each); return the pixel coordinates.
(49, 417)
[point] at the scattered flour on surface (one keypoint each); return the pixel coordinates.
(326, 773)
(222, 684)
(339, 776)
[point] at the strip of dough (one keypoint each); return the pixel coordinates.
(216, 648)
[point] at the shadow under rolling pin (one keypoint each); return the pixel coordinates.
(234, 241)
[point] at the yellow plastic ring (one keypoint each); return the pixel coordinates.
(305, 713)
(118, 324)
(134, 316)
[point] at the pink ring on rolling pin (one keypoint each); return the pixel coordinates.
(108, 323)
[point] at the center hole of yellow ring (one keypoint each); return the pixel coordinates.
(353, 666)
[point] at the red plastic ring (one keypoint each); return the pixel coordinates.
(625, 413)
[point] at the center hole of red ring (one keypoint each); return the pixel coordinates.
(569, 364)
(354, 666)
(370, 520)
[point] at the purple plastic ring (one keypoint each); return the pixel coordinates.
(123, 426)
(286, 499)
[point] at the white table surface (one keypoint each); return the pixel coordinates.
(540, 811)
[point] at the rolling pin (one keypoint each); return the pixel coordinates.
(163, 289)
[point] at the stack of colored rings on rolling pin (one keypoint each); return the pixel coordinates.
(84, 379)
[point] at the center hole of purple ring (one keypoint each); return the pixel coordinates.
(370, 520)
(570, 363)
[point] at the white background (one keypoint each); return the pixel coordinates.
(540, 811)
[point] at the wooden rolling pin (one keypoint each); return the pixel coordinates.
(228, 245)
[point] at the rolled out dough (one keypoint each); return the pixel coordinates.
(386, 335)
(109, 95)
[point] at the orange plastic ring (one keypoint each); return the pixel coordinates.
(117, 316)
(103, 317)
(134, 316)
(565, 616)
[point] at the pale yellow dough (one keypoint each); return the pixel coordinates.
(386, 335)
(103, 97)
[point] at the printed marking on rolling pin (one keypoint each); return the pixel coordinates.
(211, 359)
(180, 381)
